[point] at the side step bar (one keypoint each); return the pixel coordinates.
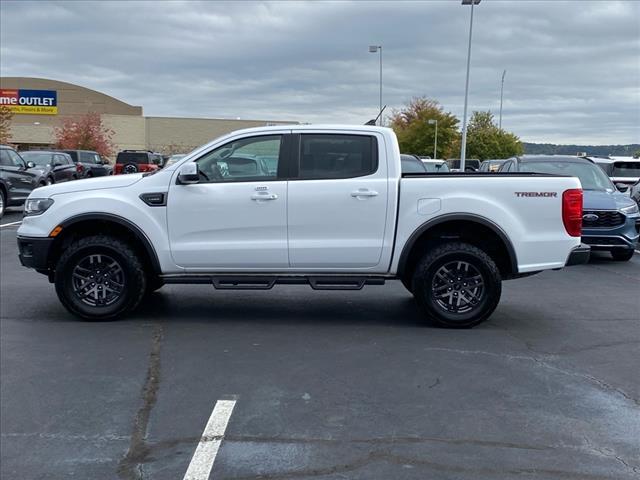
(266, 282)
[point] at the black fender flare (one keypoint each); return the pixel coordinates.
(132, 227)
(470, 217)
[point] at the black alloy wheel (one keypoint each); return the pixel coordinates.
(98, 280)
(457, 287)
(100, 277)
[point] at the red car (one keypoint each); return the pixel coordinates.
(137, 161)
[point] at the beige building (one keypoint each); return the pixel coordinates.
(40, 104)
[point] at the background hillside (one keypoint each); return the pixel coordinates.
(553, 149)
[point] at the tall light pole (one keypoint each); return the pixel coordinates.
(463, 149)
(374, 49)
(435, 143)
(501, 92)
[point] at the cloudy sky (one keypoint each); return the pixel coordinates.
(573, 67)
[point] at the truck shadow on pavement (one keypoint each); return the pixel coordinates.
(291, 305)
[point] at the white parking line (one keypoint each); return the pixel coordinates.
(207, 450)
(9, 224)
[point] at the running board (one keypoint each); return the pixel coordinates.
(266, 282)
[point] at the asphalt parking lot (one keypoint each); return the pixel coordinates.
(327, 385)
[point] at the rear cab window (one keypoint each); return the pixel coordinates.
(333, 156)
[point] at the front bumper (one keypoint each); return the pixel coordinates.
(579, 255)
(624, 237)
(34, 252)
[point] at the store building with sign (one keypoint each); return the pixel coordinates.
(39, 105)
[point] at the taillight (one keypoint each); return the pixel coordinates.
(79, 168)
(572, 211)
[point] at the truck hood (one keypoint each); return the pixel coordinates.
(599, 200)
(111, 181)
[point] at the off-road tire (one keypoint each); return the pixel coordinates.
(622, 255)
(135, 277)
(451, 253)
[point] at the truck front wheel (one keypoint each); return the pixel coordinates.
(457, 285)
(99, 278)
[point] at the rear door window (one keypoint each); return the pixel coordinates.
(328, 156)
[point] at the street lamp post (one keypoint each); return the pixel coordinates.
(501, 92)
(435, 143)
(463, 149)
(374, 49)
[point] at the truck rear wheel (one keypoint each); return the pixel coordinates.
(457, 285)
(100, 278)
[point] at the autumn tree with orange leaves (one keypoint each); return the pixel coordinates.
(86, 132)
(5, 124)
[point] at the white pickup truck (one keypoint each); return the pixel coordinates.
(326, 206)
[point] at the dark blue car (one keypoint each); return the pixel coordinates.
(610, 221)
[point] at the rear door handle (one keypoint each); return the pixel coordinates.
(364, 192)
(264, 196)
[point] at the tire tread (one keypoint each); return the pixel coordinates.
(421, 272)
(138, 278)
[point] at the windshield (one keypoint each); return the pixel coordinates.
(626, 169)
(436, 167)
(37, 158)
(591, 176)
(411, 164)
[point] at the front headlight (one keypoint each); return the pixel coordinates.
(36, 206)
(630, 210)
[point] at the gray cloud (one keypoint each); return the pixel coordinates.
(573, 67)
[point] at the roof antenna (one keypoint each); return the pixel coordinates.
(375, 121)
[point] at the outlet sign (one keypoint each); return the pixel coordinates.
(33, 102)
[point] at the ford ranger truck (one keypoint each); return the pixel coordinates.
(325, 206)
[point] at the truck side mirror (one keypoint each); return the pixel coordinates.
(30, 164)
(622, 187)
(188, 174)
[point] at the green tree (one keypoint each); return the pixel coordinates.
(485, 140)
(416, 135)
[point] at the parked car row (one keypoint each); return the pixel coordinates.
(21, 173)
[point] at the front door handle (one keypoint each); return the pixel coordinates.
(264, 196)
(364, 192)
